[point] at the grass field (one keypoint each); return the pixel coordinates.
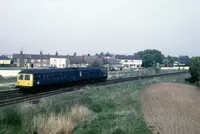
(113, 109)
(7, 80)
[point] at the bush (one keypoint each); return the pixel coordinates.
(195, 69)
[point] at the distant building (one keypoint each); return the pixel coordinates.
(58, 61)
(31, 60)
(77, 61)
(129, 61)
(182, 61)
(5, 61)
(90, 59)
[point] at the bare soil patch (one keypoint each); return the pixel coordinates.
(171, 108)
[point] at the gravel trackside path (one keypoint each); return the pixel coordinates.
(171, 108)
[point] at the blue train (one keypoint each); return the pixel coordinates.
(32, 79)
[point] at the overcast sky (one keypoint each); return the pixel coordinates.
(92, 26)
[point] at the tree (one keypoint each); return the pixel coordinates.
(108, 54)
(156, 56)
(148, 61)
(195, 69)
(96, 63)
(171, 60)
(101, 54)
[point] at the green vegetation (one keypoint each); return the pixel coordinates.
(41, 118)
(116, 109)
(151, 57)
(7, 80)
(4, 87)
(194, 71)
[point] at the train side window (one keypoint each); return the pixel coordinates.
(80, 73)
(27, 77)
(44, 77)
(20, 77)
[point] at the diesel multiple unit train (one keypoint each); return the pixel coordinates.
(35, 79)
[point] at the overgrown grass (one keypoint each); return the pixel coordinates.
(117, 109)
(27, 118)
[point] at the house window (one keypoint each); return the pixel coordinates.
(18, 60)
(32, 60)
(126, 60)
(38, 60)
(44, 60)
(25, 60)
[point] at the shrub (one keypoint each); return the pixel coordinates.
(195, 69)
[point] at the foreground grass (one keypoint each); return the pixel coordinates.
(117, 109)
(38, 119)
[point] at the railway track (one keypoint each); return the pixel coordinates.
(13, 97)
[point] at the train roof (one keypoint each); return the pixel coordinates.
(54, 70)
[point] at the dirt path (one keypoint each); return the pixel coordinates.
(171, 108)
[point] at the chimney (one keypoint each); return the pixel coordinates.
(41, 52)
(21, 52)
(56, 53)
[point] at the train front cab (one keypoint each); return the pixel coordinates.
(25, 80)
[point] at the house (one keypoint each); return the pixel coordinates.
(31, 60)
(129, 61)
(182, 61)
(58, 61)
(5, 61)
(90, 59)
(77, 61)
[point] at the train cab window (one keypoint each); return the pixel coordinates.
(20, 77)
(27, 77)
